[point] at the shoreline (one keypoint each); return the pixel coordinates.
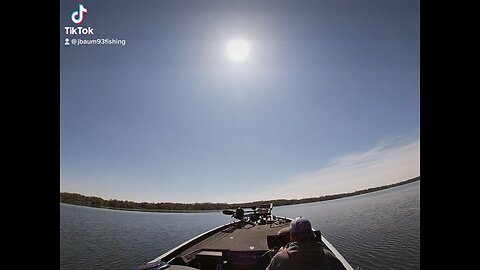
(146, 210)
(166, 207)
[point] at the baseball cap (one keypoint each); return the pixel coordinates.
(284, 231)
(302, 227)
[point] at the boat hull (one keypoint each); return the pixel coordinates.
(233, 246)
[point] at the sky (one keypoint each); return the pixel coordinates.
(327, 100)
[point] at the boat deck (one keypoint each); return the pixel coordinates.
(240, 246)
(235, 238)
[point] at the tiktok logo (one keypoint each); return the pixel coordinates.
(77, 16)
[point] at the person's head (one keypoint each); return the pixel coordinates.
(284, 231)
(301, 230)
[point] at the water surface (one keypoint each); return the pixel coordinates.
(379, 230)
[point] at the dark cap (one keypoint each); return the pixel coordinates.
(301, 227)
(284, 231)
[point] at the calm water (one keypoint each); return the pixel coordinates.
(380, 230)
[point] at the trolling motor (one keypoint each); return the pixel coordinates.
(246, 216)
(239, 213)
(258, 215)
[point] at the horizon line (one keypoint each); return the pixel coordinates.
(344, 194)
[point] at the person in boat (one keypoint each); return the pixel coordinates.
(302, 252)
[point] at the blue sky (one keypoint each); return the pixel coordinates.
(327, 100)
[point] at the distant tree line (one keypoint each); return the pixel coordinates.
(78, 199)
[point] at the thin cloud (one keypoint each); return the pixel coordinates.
(392, 160)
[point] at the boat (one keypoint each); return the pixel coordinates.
(248, 243)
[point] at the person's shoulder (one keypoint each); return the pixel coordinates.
(333, 260)
(281, 255)
(279, 261)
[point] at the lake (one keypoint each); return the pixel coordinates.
(378, 230)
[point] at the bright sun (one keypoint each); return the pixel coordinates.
(238, 50)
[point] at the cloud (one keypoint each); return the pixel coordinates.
(392, 160)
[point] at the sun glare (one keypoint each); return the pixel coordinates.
(238, 50)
